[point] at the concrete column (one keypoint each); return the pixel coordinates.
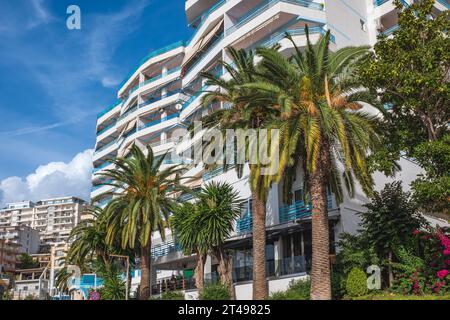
(208, 265)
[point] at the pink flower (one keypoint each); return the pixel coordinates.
(447, 252)
(416, 232)
(442, 274)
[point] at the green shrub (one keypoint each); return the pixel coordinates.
(215, 292)
(356, 283)
(297, 290)
(172, 295)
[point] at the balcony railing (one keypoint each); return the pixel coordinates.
(152, 55)
(105, 147)
(267, 5)
(106, 128)
(202, 18)
(298, 210)
(165, 248)
(277, 37)
(107, 109)
(175, 283)
(158, 121)
(391, 30)
(378, 3)
(245, 224)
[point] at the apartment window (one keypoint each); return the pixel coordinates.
(25, 288)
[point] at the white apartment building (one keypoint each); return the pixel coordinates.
(163, 94)
(25, 238)
(52, 218)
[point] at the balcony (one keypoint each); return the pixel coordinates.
(298, 210)
(163, 249)
(107, 109)
(245, 224)
(152, 54)
(256, 11)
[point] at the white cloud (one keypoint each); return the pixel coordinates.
(54, 179)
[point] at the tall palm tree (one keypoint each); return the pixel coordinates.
(143, 207)
(245, 113)
(186, 229)
(322, 129)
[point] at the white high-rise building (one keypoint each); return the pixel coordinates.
(163, 93)
(53, 219)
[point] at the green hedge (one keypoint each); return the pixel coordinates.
(297, 290)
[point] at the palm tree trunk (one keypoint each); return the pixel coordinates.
(320, 271)
(200, 271)
(259, 249)
(145, 289)
(225, 269)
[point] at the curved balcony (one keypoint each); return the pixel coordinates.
(148, 105)
(169, 76)
(109, 111)
(146, 61)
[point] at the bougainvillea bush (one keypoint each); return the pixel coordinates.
(428, 270)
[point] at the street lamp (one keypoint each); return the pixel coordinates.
(127, 259)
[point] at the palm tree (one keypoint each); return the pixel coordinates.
(88, 239)
(246, 112)
(186, 229)
(143, 207)
(204, 227)
(322, 129)
(219, 206)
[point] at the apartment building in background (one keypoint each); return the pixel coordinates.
(25, 238)
(163, 94)
(52, 218)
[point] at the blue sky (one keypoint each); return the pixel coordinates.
(53, 81)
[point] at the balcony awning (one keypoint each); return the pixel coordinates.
(127, 128)
(200, 44)
(127, 149)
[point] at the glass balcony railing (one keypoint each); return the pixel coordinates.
(158, 121)
(107, 109)
(155, 99)
(390, 30)
(100, 167)
(378, 3)
(245, 223)
(152, 55)
(165, 248)
(202, 18)
(106, 128)
(267, 5)
(105, 147)
(278, 36)
(444, 3)
(298, 210)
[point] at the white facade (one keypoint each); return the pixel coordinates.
(26, 238)
(52, 218)
(164, 92)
